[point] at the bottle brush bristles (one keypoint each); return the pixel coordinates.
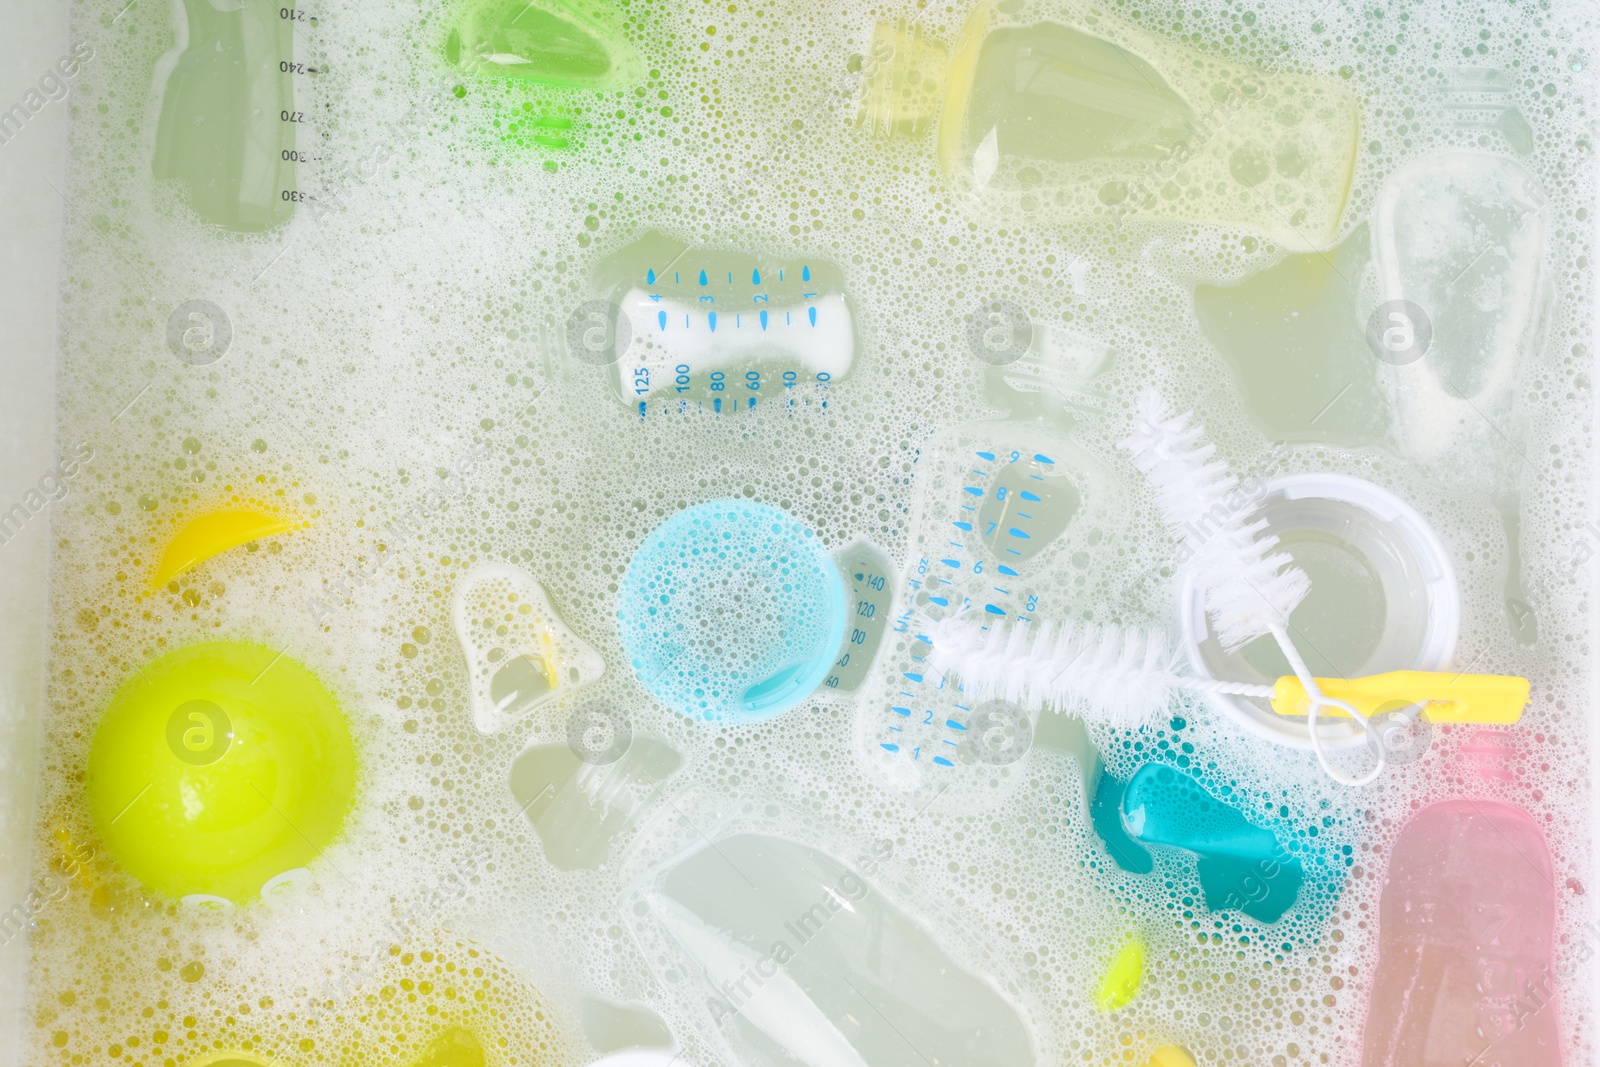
(1121, 676)
(1250, 589)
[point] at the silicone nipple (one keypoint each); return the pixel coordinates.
(731, 610)
(217, 768)
(207, 535)
(519, 652)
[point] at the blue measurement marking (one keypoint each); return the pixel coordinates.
(955, 725)
(755, 277)
(702, 277)
(661, 319)
(1015, 532)
(716, 405)
(992, 610)
(1032, 498)
(986, 455)
(967, 526)
(951, 563)
(641, 409)
(888, 747)
(712, 318)
(763, 320)
(812, 313)
(917, 678)
(941, 761)
(1008, 572)
(973, 490)
(650, 276)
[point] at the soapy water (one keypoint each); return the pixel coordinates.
(415, 312)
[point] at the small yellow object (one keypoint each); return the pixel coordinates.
(229, 1059)
(1122, 981)
(456, 1047)
(1171, 1056)
(465, 1008)
(1445, 697)
(209, 534)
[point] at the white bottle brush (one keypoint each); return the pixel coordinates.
(1123, 675)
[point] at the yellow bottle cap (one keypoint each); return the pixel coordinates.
(217, 768)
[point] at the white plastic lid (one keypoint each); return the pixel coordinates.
(1443, 598)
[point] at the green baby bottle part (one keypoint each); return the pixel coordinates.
(1086, 116)
(228, 119)
(574, 43)
(218, 768)
(1241, 865)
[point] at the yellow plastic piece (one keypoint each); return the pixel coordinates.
(456, 1047)
(902, 77)
(465, 1006)
(209, 534)
(230, 1059)
(1445, 697)
(1171, 1056)
(217, 768)
(1122, 981)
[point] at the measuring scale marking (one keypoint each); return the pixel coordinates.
(947, 739)
(871, 587)
(1006, 516)
(707, 346)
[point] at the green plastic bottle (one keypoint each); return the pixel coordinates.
(227, 125)
(574, 43)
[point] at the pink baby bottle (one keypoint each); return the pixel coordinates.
(1466, 975)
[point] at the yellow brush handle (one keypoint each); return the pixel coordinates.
(1446, 697)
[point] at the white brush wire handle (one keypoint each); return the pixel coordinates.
(1318, 702)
